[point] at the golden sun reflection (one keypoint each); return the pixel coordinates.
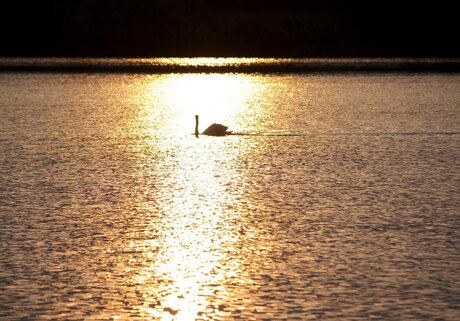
(193, 223)
(192, 241)
(220, 98)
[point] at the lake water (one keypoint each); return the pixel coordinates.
(337, 197)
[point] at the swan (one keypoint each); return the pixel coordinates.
(213, 130)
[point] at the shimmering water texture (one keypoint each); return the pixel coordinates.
(338, 199)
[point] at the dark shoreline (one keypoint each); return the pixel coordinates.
(233, 65)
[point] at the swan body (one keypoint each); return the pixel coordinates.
(216, 130)
(213, 130)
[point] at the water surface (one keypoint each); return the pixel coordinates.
(336, 199)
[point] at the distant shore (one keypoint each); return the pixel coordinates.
(224, 65)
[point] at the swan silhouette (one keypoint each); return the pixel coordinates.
(213, 130)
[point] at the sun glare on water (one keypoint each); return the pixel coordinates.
(216, 98)
(193, 224)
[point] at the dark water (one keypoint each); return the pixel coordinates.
(338, 199)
